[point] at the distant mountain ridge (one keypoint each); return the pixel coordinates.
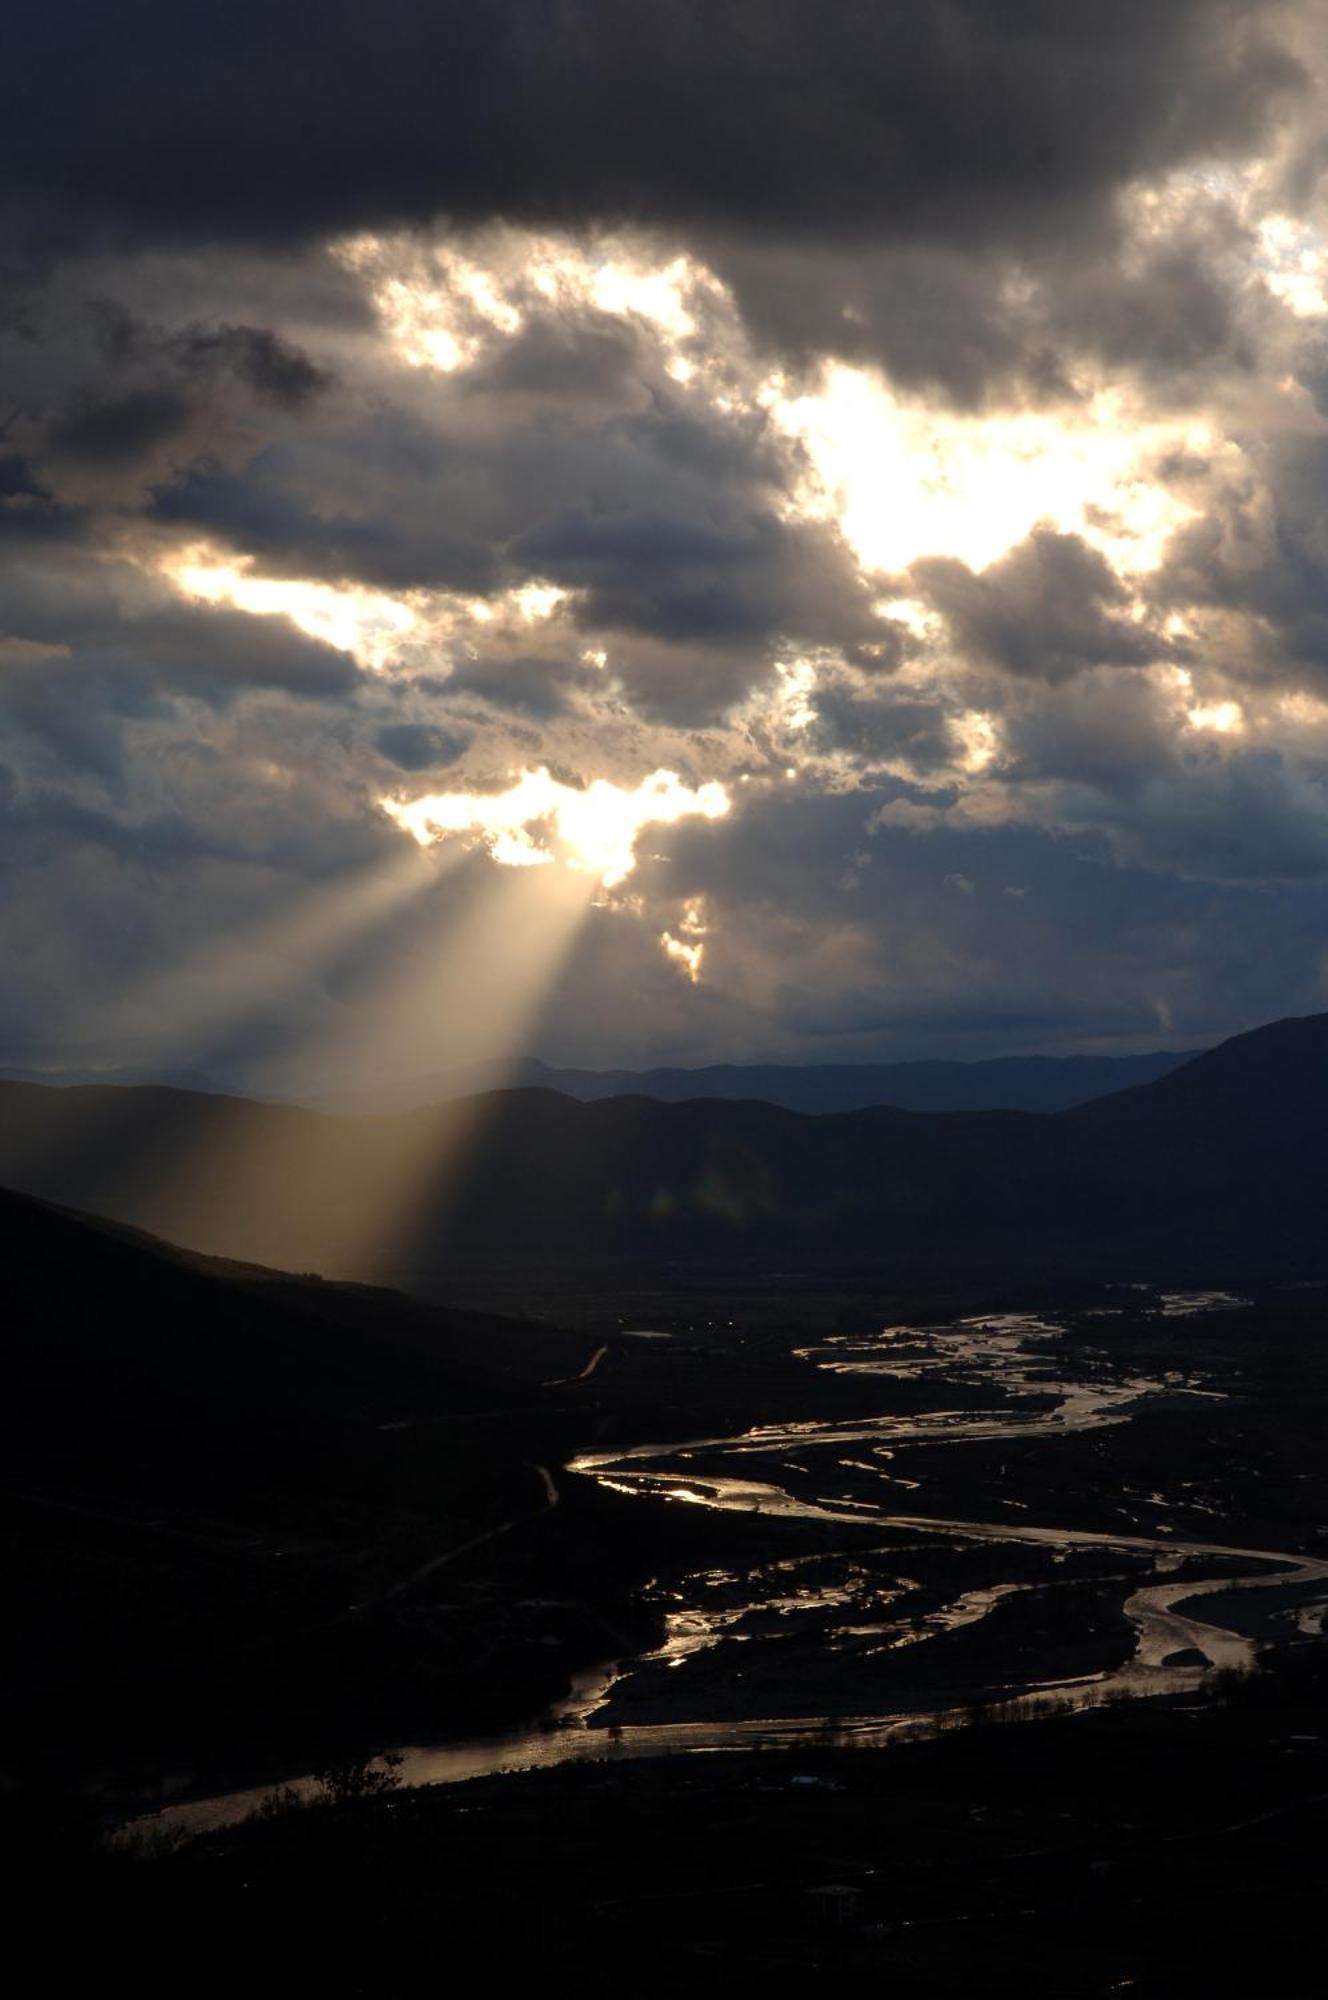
(1004, 1083)
(1218, 1168)
(129, 1078)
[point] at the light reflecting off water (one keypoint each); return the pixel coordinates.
(857, 1602)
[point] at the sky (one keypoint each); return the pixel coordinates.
(657, 531)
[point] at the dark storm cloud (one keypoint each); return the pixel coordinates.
(420, 746)
(119, 427)
(87, 651)
(178, 372)
(972, 197)
(106, 348)
(1100, 943)
(878, 180)
(275, 370)
(736, 577)
(215, 649)
(526, 684)
(77, 711)
(17, 481)
(931, 316)
(1257, 557)
(1049, 609)
(589, 357)
(1110, 730)
(979, 325)
(29, 510)
(1244, 817)
(957, 120)
(870, 726)
(265, 511)
(666, 523)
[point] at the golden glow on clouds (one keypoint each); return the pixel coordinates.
(979, 738)
(793, 704)
(1303, 710)
(1225, 718)
(1293, 264)
(430, 300)
(442, 308)
(902, 479)
(375, 628)
(365, 623)
(688, 951)
(540, 820)
(1221, 718)
(537, 601)
(906, 481)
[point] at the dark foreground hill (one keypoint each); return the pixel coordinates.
(1217, 1168)
(1005, 1083)
(236, 1507)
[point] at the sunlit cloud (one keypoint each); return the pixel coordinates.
(1293, 262)
(436, 304)
(906, 480)
(793, 705)
(687, 956)
(1224, 718)
(536, 601)
(377, 629)
(443, 306)
(539, 820)
(687, 951)
(979, 739)
(368, 624)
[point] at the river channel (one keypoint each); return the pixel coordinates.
(744, 1647)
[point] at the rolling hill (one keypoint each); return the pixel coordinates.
(225, 1495)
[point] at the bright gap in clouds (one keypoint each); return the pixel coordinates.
(376, 629)
(540, 820)
(444, 306)
(365, 623)
(905, 481)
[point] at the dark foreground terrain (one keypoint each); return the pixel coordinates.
(998, 1619)
(1168, 1849)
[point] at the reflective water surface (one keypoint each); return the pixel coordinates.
(743, 1649)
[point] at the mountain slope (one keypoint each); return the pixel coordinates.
(128, 1366)
(1221, 1159)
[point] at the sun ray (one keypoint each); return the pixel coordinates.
(467, 995)
(233, 979)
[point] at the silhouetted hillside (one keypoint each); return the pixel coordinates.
(1221, 1159)
(125, 1364)
(225, 1495)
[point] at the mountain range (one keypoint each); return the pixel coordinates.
(1005, 1083)
(1216, 1168)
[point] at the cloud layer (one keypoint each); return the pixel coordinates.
(910, 421)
